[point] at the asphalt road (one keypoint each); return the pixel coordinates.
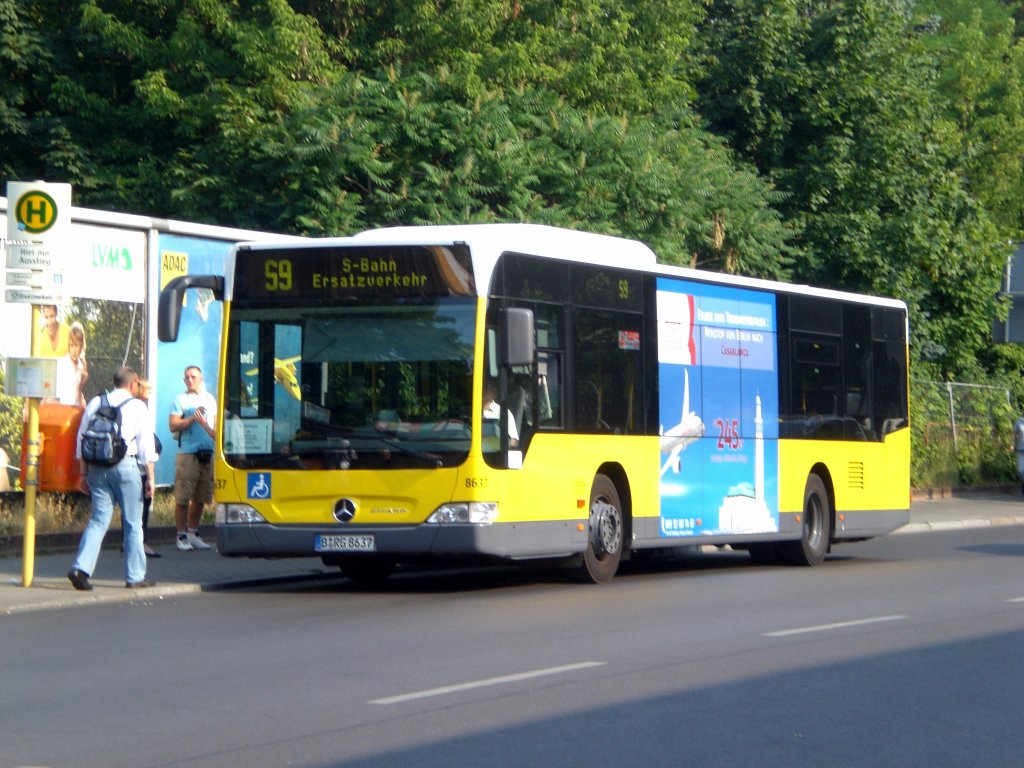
(904, 651)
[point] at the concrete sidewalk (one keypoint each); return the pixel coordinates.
(174, 572)
(975, 510)
(179, 573)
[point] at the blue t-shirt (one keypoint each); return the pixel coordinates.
(195, 438)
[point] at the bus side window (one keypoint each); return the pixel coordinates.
(608, 373)
(547, 387)
(588, 408)
(529, 398)
(890, 369)
(549, 390)
(815, 376)
(856, 375)
(518, 402)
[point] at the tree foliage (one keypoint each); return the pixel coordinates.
(980, 58)
(834, 103)
(870, 145)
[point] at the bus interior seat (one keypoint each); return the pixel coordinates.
(891, 425)
(853, 402)
(586, 406)
(588, 409)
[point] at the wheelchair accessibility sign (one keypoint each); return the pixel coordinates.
(258, 485)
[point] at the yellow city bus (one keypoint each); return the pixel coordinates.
(636, 406)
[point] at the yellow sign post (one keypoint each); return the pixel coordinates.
(31, 482)
(37, 219)
(31, 378)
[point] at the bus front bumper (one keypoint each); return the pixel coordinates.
(501, 540)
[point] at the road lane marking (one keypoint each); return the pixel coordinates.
(829, 627)
(1016, 600)
(487, 682)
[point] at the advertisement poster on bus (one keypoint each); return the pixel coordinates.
(719, 409)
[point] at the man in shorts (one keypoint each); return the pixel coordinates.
(192, 418)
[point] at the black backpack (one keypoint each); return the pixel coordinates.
(102, 444)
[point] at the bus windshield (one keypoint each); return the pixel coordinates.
(378, 384)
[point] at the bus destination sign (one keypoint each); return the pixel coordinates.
(343, 272)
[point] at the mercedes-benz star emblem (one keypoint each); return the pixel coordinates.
(345, 510)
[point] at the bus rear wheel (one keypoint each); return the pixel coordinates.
(816, 531)
(607, 533)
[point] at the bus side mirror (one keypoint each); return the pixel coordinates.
(518, 344)
(169, 311)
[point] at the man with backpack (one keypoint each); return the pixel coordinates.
(114, 439)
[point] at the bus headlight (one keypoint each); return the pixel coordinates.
(480, 512)
(227, 514)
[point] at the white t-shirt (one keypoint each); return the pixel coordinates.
(492, 412)
(68, 376)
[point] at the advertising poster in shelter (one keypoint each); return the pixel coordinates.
(198, 334)
(96, 325)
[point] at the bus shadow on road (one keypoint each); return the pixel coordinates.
(477, 577)
(1001, 550)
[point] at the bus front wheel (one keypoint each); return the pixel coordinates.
(816, 527)
(607, 533)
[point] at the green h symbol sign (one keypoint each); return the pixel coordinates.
(36, 212)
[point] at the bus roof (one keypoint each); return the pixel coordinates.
(487, 242)
(756, 283)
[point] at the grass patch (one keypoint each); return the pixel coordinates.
(69, 512)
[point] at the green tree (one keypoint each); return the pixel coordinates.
(981, 84)
(192, 96)
(836, 104)
(527, 155)
(35, 141)
(610, 55)
(250, 115)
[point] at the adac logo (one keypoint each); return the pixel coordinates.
(35, 212)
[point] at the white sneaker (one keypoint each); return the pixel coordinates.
(183, 543)
(196, 541)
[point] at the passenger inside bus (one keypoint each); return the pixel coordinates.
(492, 418)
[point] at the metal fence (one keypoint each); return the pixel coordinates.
(962, 434)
